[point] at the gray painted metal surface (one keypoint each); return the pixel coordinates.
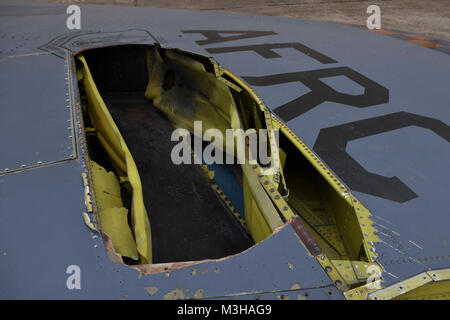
(36, 122)
(42, 231)
(42, 236)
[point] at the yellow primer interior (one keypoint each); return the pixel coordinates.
(212, 102)
(428, 285)
(430, 291)
(113, 215)
(304, 188)
(109, 136)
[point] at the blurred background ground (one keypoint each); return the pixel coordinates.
(427, 17)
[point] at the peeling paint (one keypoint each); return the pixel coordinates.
(88, 221)
(205, 271)
(166, 267)
(176, 294)
(112, 254)
(295, 286)
(290, 266)
(282, 297)
(198, 294)
(301, 297)
(193, 272)
(147, 269)
(151, 290)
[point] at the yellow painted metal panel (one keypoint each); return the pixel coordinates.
(430, 291)
(111, 139)
(114, 223)
(257, 225)
(106, 186)
(208, 99)
(429, 285)
(113, 216)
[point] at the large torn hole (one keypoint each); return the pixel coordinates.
(189, 221)
(133, 97)
(195, 212)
